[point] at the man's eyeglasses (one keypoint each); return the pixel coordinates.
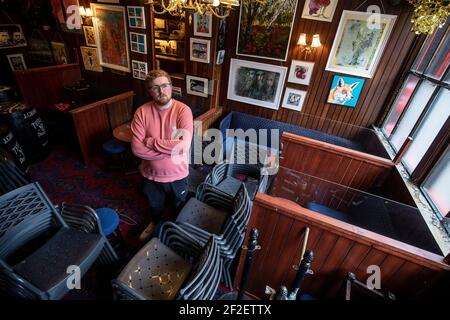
(157, 88)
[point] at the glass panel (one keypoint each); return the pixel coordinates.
(436, 186)
(428, 49)
(447, 77)
(441, 59)
(430, 126)
(412, 114)
(400, 104)
(368, 211)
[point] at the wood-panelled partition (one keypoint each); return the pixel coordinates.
(376, 91)
(341, 165)
(338, 247)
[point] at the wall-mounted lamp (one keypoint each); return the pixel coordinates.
(308, 48)
(85, 12)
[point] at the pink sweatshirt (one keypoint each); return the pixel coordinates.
(158, 135)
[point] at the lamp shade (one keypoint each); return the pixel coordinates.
(302, 39)
(82, 11)
(89, 12)
(316, 41)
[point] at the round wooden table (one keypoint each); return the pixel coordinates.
(123, 132)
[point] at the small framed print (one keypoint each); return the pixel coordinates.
(293, 99)
(345, 91)
(136, 17)
(140, 69)
(89, 36)
(197, 86)
(16, 62)
(138, 42)
(220, 56)
(202, 25)
(300, 72)
(90, 59)
(319, 10)
(199, 50)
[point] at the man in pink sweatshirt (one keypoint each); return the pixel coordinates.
(162, 133)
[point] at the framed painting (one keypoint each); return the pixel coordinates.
(140, 69)
(138, 42)
(256, 83)
(199, 50)
(202, 25)
(345, 91)
(197, 86)
(265, 28)
(111, 36)
(301, 72)
(59, 52)
(11, 36)
(322, 10)
(90, 59)
(293, 99)
(16, 62)
(136, 17)
(40, 48)
(359, 44)
(89, 36)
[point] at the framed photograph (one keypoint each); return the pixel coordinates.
(40, 48)
(136, 17)
(202, 25)
(345, 91)
(59, 52)
(89, 36)
(111, 36)
(197, 86)
(16, 62)
(220, 56)
(138, 42)
(359, 45)
(90, 59)
(293, 99)
(319, 10)
(256, 83)
(140, 69)
(200, 50)
(265, 29)
(11, 36)
(301, 72)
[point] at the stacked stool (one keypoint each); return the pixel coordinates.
(109, 221)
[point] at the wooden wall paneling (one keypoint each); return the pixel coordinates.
(373, 257)
(121, 111)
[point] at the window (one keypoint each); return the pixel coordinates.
(421, 110)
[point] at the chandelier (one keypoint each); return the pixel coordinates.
(429, 14)
(219, 8)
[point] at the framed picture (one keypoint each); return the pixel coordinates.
(220, 56)
(90, 59)
(301, 72)
(16, 62)
(200, 50)
(202, 25)
(59, 52)
(345, 91)
(140, 69)
(256, 83)
(40, 48)
(197, 86)
(111, 36)
(11, 36)
(358, 45)
(265, 29)
(293, 99)
(110, 1)
(319, 10)
(138, 42)
(136, 17)
(89, 36)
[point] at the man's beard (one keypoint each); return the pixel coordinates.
(162, 100)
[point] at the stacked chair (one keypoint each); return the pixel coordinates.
(215, 213)
(37, 244)
(173, 266)
(11, 177)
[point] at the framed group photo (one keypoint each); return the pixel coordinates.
(293, 99)
(197, 86)
(300, 72)
(359, 44)
(256, 83)
(200, 50)
(11, 36)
